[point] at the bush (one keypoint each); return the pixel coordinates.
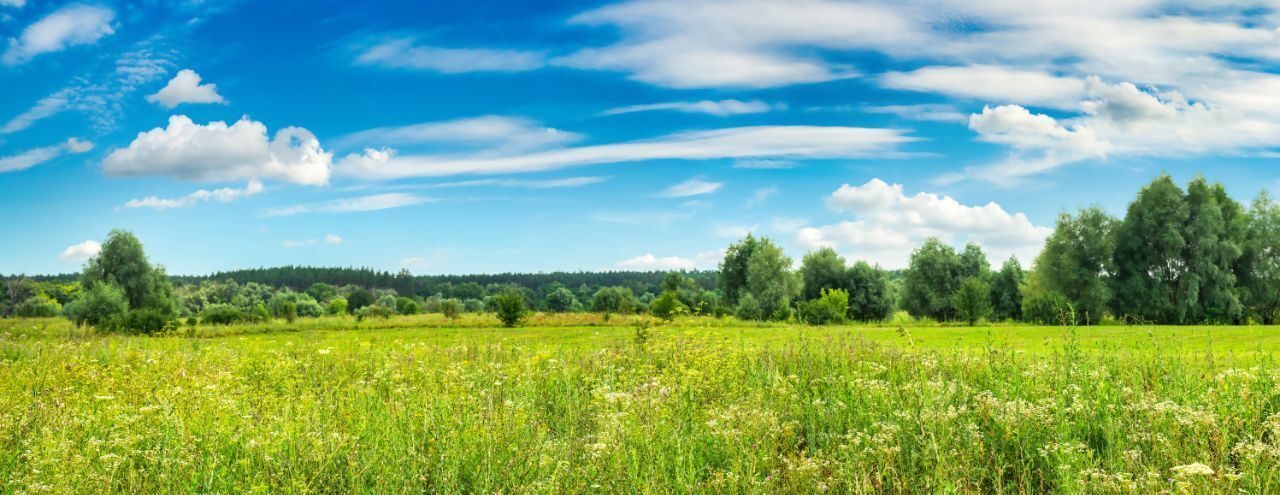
(222, 314)
(375, 310)
(359, 298)
(337, 307)
(972, 301)
(451, 308)
(388, 302)
(510, 307)
(473, 306)
(667, 306)
(830, 307)
(561, 300)
(289, 311)
(748, 308)
(102, 306)
(148, 321)
(38, 306)
(407, 306)
(1046, 308)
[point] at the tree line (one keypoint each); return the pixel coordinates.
(1176, 257)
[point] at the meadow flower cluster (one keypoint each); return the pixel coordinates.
(691, 409)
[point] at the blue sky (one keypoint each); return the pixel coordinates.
(460, 137)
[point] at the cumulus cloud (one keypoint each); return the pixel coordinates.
(886, 225)
(649, 262)
(408, 54)
(79, 253)
(76, 24)
(358, 204)
(720, 108)
(218, 152)
(692, 187)
(36, 156)
(761, 142)
(223, 195)
(185, 87)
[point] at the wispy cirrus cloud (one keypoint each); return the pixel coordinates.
(368, 203)
(223, 195)
(36, 156)
(720, 108)
(408, 54)
(75, 24)
(696, 186)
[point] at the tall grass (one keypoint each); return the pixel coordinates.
(683, 409)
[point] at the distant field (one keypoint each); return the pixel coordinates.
(574, 404)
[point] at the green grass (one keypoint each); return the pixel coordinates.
(574, 404)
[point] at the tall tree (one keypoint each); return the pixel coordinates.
(1076, 261)
(1213, 234)
(733, 270)
(1149, 255)
(933, 274)
(770, 280)
(822, 269)
(1258, 268)
(123, 263)
(972, 300)
(869, 298)
(973, 262)
(1006, 290)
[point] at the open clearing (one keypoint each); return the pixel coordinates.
(415, 405)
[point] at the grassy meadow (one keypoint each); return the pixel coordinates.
(576, 404)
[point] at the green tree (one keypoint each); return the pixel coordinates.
(748, 308)
(618, 300)
(1077, 261)
(560, 300)
(38, 306)
(830, 306)
(337, 306)
(359, 298)
(972, 300)
(1149, 255)
(1258, 268)
(1006, 290)
(452, 308)
(770, 280)
(822, 269)
(322, 292)
(973, 262)
(733, 270)
(510, 307)
(122, 262)
(101, 305)
(667, 306)
(1215, 234)
(868, 290)
(932, 276)
(1047, 308)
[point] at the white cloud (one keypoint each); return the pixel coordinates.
(928, 112)
(76, 24)
(692, 187)
(185, 87)
(218, 152)
(36, 156)
(359, 204)
(709, 259)
(764, 163)
(988, 83)
(774, 142)
(406, 54)
(333, 239)
(721, 108)
(80, 253)
(649, 262)
(329, 239)
(224, 195)
(527, 184)
(745, 43)
(491, 133)
(887, 225)
(760, 195)
(46, 107)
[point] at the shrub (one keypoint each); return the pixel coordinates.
(222, 314)
(359, 298)
(510, 307)
(102, 305)
(561, 300)
(407, 306)
(1046, 308)
(309, 309)
(388, 302)
(748, 308)
(452, 308)
(147, 320)
(830, 307)
(614, 300)
(375, 310)
(289, 311)
(473, 306)
(667, 306)
(38, 306)
(337, 307)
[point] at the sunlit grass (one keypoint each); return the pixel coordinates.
(574, 404)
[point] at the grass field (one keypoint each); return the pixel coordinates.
(574, 404)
